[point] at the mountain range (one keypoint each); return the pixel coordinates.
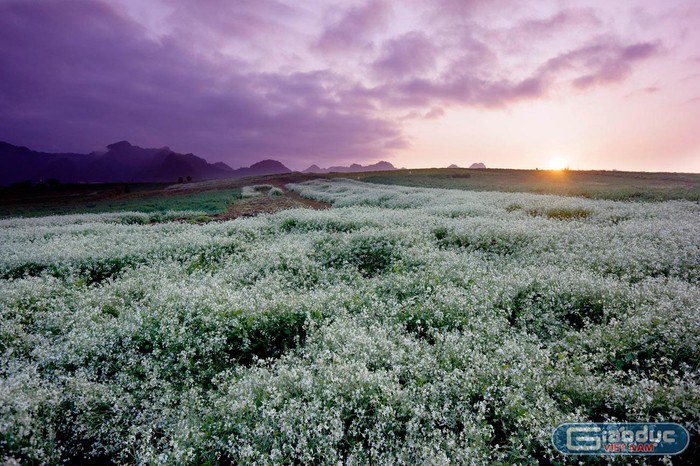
(119, 162)
(354, 168)
(123, 162)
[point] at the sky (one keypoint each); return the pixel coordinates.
(419, 83)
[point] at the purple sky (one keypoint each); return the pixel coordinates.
(420, 83)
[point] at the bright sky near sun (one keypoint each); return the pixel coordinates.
(589, 84)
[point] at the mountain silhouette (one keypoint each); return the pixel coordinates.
(119, 162)
(354, 168)
(264, 167)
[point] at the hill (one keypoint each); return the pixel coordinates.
(120, 162)
(354, 168)
(264, 167)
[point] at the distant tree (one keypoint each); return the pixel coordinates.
(180, 180)
(189, 178)
(53, 182)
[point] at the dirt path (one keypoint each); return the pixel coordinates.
(292, 195)
(269, 204)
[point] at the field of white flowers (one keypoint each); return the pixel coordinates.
(402, 326)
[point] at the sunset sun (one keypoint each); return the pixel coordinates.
(558, 163)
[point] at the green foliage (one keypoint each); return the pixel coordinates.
(199, 219)
(568, 213)
(499, 244)
(104, 200)
(330, 225)
(369, 254)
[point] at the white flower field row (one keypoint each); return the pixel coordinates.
(402, 326)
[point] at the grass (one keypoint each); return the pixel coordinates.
(217, 196)
(206, 201)
(614, 185)
(214, 197)
(562, 213)
(101, 198)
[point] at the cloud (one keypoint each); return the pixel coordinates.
(237, 81)
(644, 91)
(355, 27)
(406, 55)
(240, 19)
(463, 90)
(561, 21)
(434, 113)
(469, 7)
(78, 75)
(602, 63)
(690, 77)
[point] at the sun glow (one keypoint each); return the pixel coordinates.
(558, 163)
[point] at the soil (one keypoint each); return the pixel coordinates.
(268, 204)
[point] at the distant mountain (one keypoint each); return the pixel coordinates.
(454, 166)
(354, 168)
(264, 167)
(120, 162)
(477, 165)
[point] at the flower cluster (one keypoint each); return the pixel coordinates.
(403, 326)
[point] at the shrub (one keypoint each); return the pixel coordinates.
(369, 254)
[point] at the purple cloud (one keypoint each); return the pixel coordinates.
(406, 55)
(78, 75)
(434, 113)
(561, 21)
(469, 7)
(241, 81)
(355, 26)
(244, 19)
(462, 90)
(602, 63)
(643, 91)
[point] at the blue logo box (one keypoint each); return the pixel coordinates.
(646, 438)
